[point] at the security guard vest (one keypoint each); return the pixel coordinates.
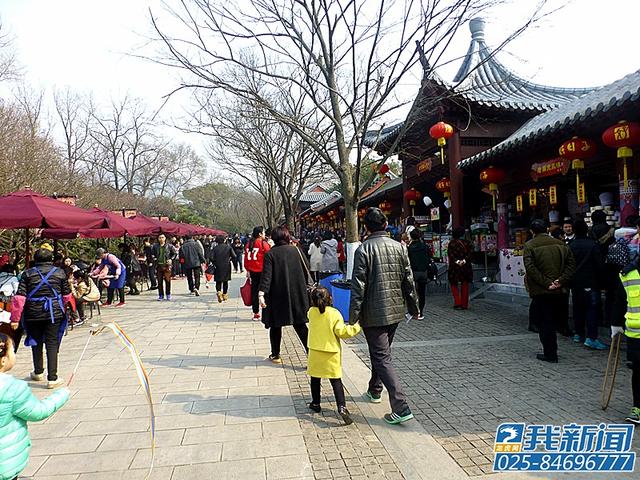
(631, 283)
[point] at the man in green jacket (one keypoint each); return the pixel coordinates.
(549, 266)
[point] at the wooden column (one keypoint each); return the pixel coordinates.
(456, 176)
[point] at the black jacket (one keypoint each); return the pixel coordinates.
(589, 263)
(419, 256)
(604, 235)
(192, 254)
(221, 257)
(34, 311)
(382, 288)
(170, 253)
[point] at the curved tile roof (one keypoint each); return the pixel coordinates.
(614, 95)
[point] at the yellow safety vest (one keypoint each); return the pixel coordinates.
(631, 283)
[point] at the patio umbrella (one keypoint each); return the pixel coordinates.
(118, 227)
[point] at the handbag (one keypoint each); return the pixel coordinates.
(245, 293)
(310, 283)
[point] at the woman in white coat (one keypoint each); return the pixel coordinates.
(315, 261)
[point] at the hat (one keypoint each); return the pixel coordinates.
(47, 246)
(100, 252)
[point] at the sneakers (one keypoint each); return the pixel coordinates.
(395, 418)
(346, 416)
(595, 344)
(78, 322)
(315, 407)
(225, 296)
(219, 297)
(37, 377)
(373, 397)
(578, 339)
(120, 304)
(275, 359)
(168, 298)
(160, 298)
(51, 384)
(256, 317)
(420, 317)
(634, 417)
(196, 292)
(107, 304)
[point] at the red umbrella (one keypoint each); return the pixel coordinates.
(28, 209)
(118, 226)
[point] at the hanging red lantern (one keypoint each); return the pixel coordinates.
(442, 132)
(412, 196)
(491, 177)
(384, 169)
(444, 186)
(577, 150)
(385, 207)
(622, 136)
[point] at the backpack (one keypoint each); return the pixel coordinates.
(619, 253)
(432, 270)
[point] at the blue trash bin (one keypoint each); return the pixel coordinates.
(341, 293)
(326, 277)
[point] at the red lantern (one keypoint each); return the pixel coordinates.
(444, 186)
(413, 196)
(384, 169)
(576, 150)
(623, 135)
(442, 132)
(385, 207)
(492, 176)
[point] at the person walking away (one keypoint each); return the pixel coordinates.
(151, 265)
(192, 258)
(254, 253)
(283, 291)
(17, 407)
(584, 287)
(163, 254)
(315, 258)
(460, 269)
(221, 257)
(117, 274)
(326, 328)
(549, 266)
(419, 258)
(238, 250)
(42, 294)
(329, 249)
(382, 290)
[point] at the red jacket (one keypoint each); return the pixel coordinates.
(341, 254)
(253, 260)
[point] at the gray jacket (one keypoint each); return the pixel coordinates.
(192, 254)
(382, 288)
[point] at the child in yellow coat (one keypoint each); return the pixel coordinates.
(326, 328)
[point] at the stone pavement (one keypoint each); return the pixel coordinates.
(224, 412)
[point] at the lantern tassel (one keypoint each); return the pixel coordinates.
(494, 201)
(442, 154)
(578, 184)
(626, 178)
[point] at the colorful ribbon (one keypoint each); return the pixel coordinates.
(143, 377)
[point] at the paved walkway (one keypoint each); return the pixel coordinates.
(224, 412)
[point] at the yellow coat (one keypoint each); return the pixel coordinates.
(325, 349)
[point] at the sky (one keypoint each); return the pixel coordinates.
(88, 45)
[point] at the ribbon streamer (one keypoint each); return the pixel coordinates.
(143, 377)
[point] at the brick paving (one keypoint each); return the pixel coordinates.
(465, 372)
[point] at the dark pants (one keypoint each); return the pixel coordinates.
(46, 334)
(240, 262)
(585, 312)
(164, 280)
(153, 280)
(562, 324)
(275, 337)
(460, 296)
(255, 288)
(111, 292)
(193, 278)
(421, 279)
(131, 283)
(338, 391)
(222, 287)
(547, 310)
(379, 340)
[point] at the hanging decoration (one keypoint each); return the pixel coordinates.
(444, 186)
(491, 177)
(385, 207)
(384, 169)
(577, 150)
(412, 196)
(622, 136)
(442, 132)
(533, 197)
(582, 194)
(553, 195)
(519, 204)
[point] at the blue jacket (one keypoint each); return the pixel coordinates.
(17, 407)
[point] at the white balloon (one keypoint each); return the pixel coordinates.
(427, 201)
(447, 204)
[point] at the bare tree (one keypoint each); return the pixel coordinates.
(9, 68)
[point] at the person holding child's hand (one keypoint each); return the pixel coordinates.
(17, 407)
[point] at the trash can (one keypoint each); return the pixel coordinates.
(324, 278)
(341, 293)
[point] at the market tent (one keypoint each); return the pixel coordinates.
(118, 227)
(28, 209)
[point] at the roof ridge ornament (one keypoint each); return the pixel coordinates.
(476, 26)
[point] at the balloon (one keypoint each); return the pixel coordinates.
(427, 201)
(447, 204)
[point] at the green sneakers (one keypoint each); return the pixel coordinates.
(373, 397)
(395, 418)
(635, 416)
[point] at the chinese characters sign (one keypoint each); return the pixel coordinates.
(533, 197)
(519, 206)
(582, 196)
(556, 166)
(553, 195)
(424, 166)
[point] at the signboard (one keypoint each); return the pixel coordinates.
(582, 196)
(519, 206)
(435, 213)
(129, 212)
(68, 199)
(553, 195)
(533, 197)
(164, 219)
(422, 219)
(556, 166)
(424, 166)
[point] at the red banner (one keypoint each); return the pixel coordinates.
(556, 166)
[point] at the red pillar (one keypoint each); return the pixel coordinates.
(456, 176)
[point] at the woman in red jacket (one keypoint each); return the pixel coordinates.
(254, 253)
